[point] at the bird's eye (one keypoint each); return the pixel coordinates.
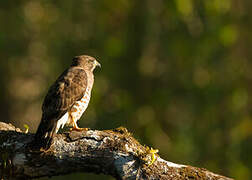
(91, 61)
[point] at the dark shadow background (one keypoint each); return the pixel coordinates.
(176, 73)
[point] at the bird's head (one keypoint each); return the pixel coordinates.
(86, 62)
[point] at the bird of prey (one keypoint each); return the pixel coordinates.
(66, 100)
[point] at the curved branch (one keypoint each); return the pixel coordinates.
(112, 152)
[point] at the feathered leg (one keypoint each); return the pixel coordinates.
(74, 124)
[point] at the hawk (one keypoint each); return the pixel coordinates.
(66, 100)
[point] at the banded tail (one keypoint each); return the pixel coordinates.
(45, 133)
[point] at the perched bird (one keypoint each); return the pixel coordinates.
(66, 100)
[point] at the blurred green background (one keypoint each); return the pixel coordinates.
(176, 73)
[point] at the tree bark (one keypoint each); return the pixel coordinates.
(112, 152)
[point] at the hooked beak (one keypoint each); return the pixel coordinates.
(97, 64)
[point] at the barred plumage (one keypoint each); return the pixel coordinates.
(66, 99)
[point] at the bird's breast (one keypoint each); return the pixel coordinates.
(80, 106)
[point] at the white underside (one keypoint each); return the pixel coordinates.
(62, 121)
(81, 106)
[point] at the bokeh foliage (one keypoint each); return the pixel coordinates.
(176, 73)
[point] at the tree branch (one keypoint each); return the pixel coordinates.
(112, 152)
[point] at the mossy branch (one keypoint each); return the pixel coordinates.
(112, 152)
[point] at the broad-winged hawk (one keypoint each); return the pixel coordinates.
(66, 100)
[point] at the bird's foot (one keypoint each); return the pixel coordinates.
(78, 129)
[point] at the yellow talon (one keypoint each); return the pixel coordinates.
(76, 128)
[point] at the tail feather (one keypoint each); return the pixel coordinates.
(45, 133)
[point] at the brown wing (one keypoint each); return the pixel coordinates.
(68, 88)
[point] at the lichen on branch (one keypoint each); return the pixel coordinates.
(112, 152)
